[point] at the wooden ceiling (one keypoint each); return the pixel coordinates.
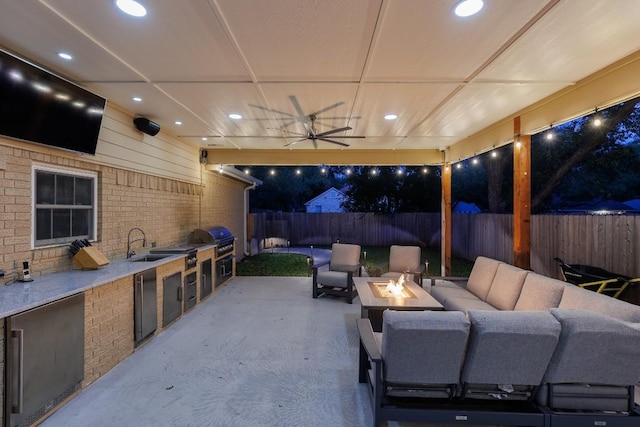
(348, 62)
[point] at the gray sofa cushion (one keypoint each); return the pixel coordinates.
(575, 297)
(539, 293)
(481, 277)
(506, 286)
(509, 347)
(466, 303)
(593, 350)
(423, 347)
(443, 293)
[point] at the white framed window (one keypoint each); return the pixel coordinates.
(65, 206)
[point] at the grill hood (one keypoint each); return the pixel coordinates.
(214, 235)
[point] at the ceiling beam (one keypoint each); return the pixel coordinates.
(325, 157)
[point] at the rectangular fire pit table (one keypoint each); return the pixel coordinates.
(374, 299)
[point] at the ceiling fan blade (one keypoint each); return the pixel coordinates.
(329, 132)
(271, 111)
(296, 105)
(355, 136)
(287, 131)
(331, 141)
(330, 107)
(294, 142)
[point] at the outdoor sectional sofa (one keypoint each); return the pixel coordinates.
(512, 348)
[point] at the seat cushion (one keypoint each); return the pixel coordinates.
(539, 293)
(509, 347)
(465, 304)
(423, 347)
(442, 293)
(482, 274)
(506, 287)
(336, 279)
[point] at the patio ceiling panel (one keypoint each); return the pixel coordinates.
(483, 103)
(552, 51)
(36, 32)
(212, 103)
(443, 47)
(296, 40)
(412, 102)
(160, 45)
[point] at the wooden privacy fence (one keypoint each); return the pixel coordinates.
(611, 242)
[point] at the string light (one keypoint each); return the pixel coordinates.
(597, 121)
(549, 135)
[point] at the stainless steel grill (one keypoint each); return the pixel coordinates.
(218, 235)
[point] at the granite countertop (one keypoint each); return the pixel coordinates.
(21, 296)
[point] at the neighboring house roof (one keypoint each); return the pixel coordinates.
(464, 207)
(322, 195)
(634, 204)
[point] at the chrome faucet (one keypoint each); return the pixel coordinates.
(130, 252)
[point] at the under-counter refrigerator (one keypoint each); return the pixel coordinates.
(44, 360)
(145, 305)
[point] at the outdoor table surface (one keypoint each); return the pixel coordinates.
(373, 306)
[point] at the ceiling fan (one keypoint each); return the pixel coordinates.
(314, 136)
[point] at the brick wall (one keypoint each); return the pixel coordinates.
(108, 327)
(166, 209)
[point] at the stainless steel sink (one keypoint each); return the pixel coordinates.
(149, 257)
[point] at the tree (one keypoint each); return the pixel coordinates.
(579, 140)
(384, 190)
(286, 189)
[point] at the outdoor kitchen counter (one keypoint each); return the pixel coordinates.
(21, 296)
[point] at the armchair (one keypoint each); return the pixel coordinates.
(335, 277)
(405, 259)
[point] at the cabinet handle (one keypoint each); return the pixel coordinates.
(141, 310)
(180, 293)
(16, 407)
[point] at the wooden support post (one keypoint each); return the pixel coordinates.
(445, 221)
(521, 198)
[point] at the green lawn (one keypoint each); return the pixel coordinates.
(278, 264)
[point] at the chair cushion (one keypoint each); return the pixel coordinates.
(423, 347)
(509, 347)
(336, 279)
(344, 256)
(506, 287)
(481, 277)
(403, 258)
(539, 293)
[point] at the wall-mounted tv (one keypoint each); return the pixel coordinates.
(37, 106)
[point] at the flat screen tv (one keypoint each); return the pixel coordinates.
(40, 107)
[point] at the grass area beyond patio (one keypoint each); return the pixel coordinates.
(377, 257)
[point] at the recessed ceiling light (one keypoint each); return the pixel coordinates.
(468, 7)
(390, 116)
(204, 138)
(235, 116)
(178, 122)
(65, 56)
(131, 7)
(137, 99)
